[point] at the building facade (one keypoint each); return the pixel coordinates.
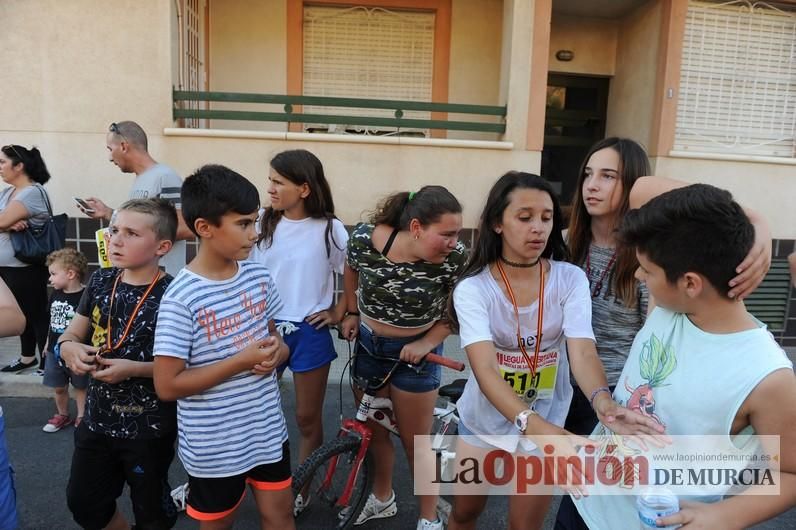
(709, 88)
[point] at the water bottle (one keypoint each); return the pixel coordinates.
(654, 503)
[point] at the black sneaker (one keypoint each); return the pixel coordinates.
(18, 366)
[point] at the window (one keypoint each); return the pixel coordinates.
(738, 80)
(194, 72)
(367, 52)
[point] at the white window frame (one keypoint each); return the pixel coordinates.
(193, 35)
(405, 37)
(738, 82)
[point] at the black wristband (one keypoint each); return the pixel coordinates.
(352, 313)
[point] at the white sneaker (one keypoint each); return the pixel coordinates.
(180, 496)
(376, 509)
(425, 524)
(300, 504)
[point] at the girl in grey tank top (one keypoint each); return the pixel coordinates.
(619, 301)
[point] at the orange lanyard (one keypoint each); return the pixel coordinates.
(108, 345)
(531, 365)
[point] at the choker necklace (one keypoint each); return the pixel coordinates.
(519, 265)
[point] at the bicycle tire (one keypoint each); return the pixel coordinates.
(326, 501)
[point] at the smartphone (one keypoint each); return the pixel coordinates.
(83, 205)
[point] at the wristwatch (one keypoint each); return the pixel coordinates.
(521, 420)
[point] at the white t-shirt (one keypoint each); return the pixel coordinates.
(32, 198)
(486, 314)
(297, 260)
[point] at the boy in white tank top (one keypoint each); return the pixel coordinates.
(701, 365)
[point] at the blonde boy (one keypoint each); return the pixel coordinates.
(67, 269)
(128, 434)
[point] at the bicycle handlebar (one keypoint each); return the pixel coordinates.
(445, 361)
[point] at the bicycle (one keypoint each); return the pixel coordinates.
(340, 472)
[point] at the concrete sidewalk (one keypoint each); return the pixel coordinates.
(25, 384)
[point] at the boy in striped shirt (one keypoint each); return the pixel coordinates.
(213, 354)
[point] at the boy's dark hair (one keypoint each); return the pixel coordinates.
(69, 259)
(215, 190)
(698, 228)
(164, 222)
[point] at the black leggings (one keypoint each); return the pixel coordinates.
(29, 286)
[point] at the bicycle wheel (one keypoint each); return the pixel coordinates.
(323, 500)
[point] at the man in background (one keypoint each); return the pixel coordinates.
(128, 148)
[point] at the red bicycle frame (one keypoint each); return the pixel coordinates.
(365, 434)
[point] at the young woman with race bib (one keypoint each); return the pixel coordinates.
(524, 316)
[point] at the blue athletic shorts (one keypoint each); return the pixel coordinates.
(310, 348)
(424, 378)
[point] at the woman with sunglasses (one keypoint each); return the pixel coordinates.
(22, 203)
(524, 317)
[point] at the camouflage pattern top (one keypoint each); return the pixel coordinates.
(406, 295)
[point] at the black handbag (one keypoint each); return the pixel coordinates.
(33, 244)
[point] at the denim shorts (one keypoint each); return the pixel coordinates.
(56, 376)
(369, 365)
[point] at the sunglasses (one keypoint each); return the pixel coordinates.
(11, 146)
(114, 128)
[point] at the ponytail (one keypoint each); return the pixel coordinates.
(391, 209)
(426, 205)
(36, 168)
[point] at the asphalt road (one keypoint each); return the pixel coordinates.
(42, 460)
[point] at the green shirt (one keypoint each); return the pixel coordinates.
(406, 295)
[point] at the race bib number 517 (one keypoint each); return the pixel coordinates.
(537, 386)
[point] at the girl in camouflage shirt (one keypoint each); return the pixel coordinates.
(401, 267)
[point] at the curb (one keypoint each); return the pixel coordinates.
(23, 385)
